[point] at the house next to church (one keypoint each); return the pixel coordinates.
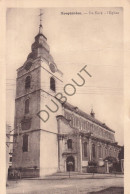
(70, 138)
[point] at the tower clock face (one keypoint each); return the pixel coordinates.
(52, 67)
(28, 65)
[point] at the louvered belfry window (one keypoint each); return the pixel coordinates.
(52, 84)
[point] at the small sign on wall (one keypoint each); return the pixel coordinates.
(84, 163)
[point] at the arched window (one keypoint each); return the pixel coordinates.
(25, 143)
(72, 121)
(110, 152)
(85, 149)
(27, 82)
(93, 150)
(69, 143)
(52, 84)
(99, 151)
(27, 106)
(105, 151)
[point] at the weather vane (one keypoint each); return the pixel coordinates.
(40, 26)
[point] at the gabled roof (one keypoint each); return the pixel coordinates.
(85, 115)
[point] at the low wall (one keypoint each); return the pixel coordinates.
(23, 173)
(84, 169)
(101, 169)
(96, 169)
(91, 169)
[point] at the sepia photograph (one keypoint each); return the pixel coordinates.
(65, 100)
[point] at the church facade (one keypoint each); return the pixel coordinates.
(70, 138)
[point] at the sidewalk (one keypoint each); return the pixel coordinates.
(72, 175)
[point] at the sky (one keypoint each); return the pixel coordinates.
(93, 38)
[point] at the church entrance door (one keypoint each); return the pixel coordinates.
(70, 163)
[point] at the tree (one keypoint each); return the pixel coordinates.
(121, 153)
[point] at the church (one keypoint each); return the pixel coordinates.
(70, 138)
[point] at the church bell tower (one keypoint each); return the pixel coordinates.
(38, 81)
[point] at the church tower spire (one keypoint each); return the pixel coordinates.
(40, 47)
(38, 81)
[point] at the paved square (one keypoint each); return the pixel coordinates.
(65, 185)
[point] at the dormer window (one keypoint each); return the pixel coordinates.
(52, 84)
(27, 82)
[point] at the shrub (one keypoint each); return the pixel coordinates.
(92, 163)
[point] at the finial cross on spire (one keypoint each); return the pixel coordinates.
(40, 26)
(40, 15)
